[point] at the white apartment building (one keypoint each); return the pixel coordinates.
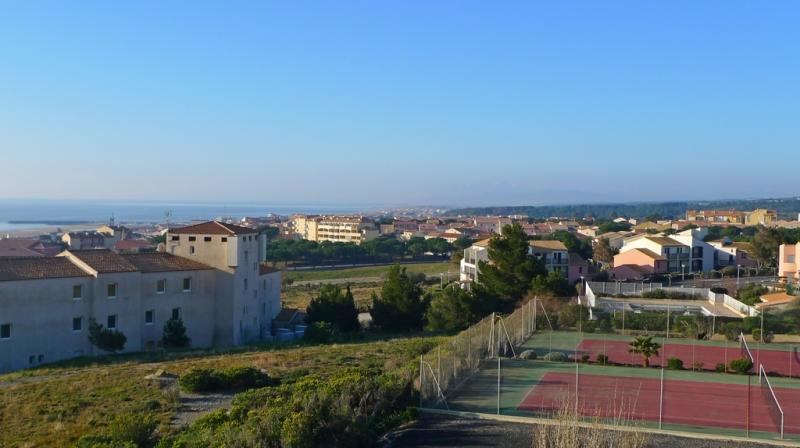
(342, 229)
(685, 251)
(210, 276)
(473, 255)
(550, 252)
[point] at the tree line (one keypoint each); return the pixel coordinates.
(403, 305)
(380, 249)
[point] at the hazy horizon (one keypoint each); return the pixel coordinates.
(446, 103)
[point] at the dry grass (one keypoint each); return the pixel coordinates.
(54, 406)
(571, 429)
(300, 296)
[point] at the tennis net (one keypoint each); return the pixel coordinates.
(745, 350)
(775, 409)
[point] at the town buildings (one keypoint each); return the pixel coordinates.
(342, 229)
(552, 253)
(210, 276)
(756, 217)
(788, 263)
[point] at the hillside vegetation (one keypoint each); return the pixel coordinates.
(57, 405)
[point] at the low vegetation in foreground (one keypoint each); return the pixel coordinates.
(339, 394)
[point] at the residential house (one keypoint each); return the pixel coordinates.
(473, 255)
(788, 263)
(28, 247)
(552, 253)
(645, 260)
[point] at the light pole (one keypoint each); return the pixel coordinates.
(738, 267)
(683, 272)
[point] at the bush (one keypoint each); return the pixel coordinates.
(720, 368)
(675, 364)
(602, 359)
(585, 358)
(174, 334)
(697, 366)
(134, 428)
(105, 339)
(528, 354)
(556, 356)
(740, 365)
(571, 315)
(233, 379)
(732, 330)
(719, 290)
(319, 332)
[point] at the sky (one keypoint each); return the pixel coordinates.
(399, 102)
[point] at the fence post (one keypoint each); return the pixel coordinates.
(421, 386)
(577, 394)
(661, 399)
(498, 385)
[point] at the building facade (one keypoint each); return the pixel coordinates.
(210, 277)
(341, 229)
(788, 263)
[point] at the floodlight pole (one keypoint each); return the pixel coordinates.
(498, 385)
(661, 399)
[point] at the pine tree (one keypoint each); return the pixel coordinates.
(505, 279)
(174, 335)
(333, 307)
(400, 306)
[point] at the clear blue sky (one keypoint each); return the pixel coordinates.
(404, 102)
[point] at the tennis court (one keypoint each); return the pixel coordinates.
(777, 359)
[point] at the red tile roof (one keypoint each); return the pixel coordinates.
(163, 262)
(37, 268)
(213, 228)
(104, 261)
(132, 244)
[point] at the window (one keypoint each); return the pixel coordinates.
(246, 256)
(187, 284)
(77, 323)
(224, 239)
(207, 239)
(149, 316)
(111, 322)
(31, 359)
(191, 250)
(192, 238)
(161, 286)
(175, 238)
(77, 291)
(5, 331)
(176, 313)
(112, 290)
(245, 284)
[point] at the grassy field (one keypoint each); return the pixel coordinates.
(54, 406)
(300, 297)
(371, 271)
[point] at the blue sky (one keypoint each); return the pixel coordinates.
(428, 102)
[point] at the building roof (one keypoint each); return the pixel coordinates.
(664, 241)
(103, 261)
(650, 254)
(482, 243)
(26, 247)
(37, 268)
(162, 262)
(263, 269)
(547, 245)
(288, 314)
(132, 244)
(213, 228)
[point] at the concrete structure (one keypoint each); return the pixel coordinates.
(211, 278)
(788, 263)
(552, 253)
(342, 229)
(473, 255)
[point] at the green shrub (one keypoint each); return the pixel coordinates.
(740, 365)
(732, 330)
(134, 428)
(720, 368)
(697, 366)
(105, 339)
(585, 358)
(174, 334)
(556, 356)
(233, 379)
(719, 290)
(602, 359)
(675, 364)
(319, 332)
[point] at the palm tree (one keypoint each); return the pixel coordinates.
(645, 346)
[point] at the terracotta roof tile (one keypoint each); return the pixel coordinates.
(37, 268)
(547, 244)
(103, 261)
(163, 262)
(213, 228)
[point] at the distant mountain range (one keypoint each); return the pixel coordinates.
(787, 208)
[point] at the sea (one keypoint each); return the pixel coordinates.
(20, 214)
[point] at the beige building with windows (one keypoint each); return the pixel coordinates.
(211, 277)
(340, 229)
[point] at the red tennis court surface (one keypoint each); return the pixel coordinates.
(784, 363)
(685, 402)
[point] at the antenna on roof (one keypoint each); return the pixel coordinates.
(111, 221)
(168, 215)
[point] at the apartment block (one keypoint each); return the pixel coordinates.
(341, 229)
(210, 276)
(788, 263)
(552, 253)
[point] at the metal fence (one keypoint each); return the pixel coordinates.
(448, 365)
